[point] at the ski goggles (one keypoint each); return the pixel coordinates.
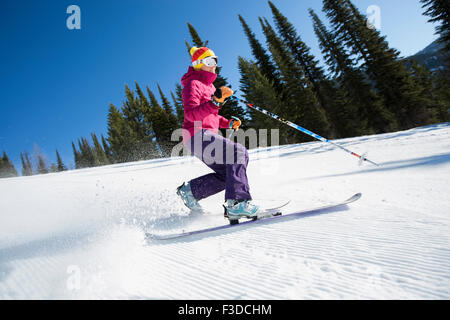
(210, 61)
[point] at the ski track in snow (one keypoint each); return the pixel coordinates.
(81, 234)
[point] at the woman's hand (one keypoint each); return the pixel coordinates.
(234, 123)
(220, 96)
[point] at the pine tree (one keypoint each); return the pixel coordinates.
(7, 169)
(130, 134)
(146, 133)
(442, 84)
(120, 136)
(439, 11)
(178, 102)
(300, 104)
(172, 119)
(107, 149)
(161, 125)
(134, 112)
(53, 168)
(324, 89)
(260, 91)
(77, 156)
(40, 160)
(428, 83)
(88, 157)
(393, 81)
(198, 42)
(99, 152)
(27, 168)
(263, 60)
(41, 165)
(262, 85)
(361, 110)
(188, 47)
(60, 164)
(300, 51)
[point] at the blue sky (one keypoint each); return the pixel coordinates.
(56, 84)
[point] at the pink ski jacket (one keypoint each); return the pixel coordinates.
(197, 91)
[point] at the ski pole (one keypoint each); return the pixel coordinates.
(300, 128)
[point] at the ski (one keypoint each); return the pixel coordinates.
(273, 216)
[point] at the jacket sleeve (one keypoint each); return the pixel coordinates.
(193, 110)
(223, 122)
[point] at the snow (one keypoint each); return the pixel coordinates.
(81, 234)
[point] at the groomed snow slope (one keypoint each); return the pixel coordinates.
(81, 234)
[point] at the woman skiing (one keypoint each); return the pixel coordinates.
(202, 102)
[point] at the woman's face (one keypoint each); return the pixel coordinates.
(209, 69)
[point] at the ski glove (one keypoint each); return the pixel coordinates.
(234, 123)
(219, 98)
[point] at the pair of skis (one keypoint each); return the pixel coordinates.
(272, 214)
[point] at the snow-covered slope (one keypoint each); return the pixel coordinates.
(81, 234)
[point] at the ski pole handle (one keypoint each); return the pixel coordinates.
(233, 129)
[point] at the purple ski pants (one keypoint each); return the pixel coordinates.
(229, 162)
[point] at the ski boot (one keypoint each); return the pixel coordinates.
(236, 209)
(185, 193)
